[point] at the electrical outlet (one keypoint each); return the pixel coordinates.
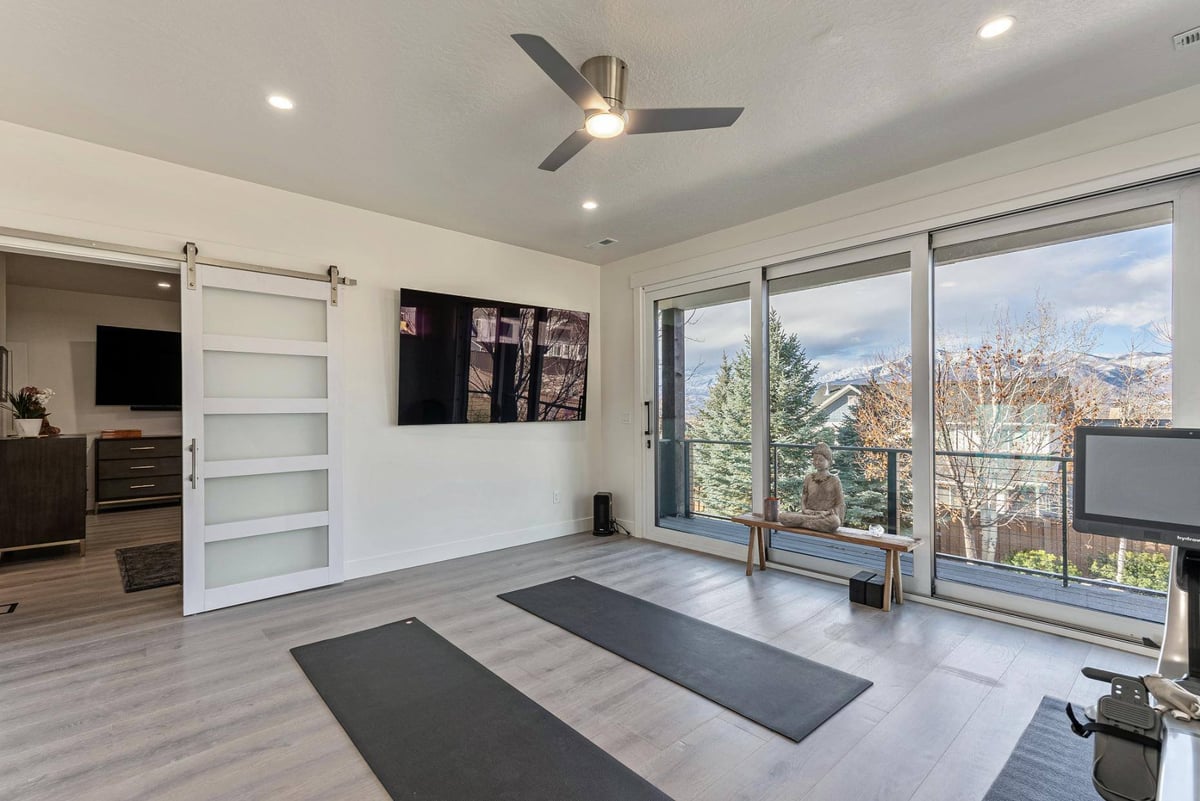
(626, 419)
(557, 497)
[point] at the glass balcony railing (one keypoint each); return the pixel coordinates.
(1002, 520)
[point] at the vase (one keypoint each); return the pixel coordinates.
(28, 427)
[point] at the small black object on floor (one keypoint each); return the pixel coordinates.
(144, 567)
(772, 687)
(867, 588)
(1049, 763)
(435, 725)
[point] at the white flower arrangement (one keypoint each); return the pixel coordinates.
(29, 403)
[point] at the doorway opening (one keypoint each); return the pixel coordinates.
(91, 353)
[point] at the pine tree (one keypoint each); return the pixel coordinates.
(721, 476)
(866, 498)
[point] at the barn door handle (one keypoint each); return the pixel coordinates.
(192, 477)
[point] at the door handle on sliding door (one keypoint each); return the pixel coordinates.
(192, 477)
(649, 425)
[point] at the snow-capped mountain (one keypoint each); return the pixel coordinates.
(1113, 370)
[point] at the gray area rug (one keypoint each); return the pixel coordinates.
(145, 567)
(1049, 763)
(775, 688)
(435, 725)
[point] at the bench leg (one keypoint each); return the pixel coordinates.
(887, 582)
(899, 577)
(750, 552)
(762, 550)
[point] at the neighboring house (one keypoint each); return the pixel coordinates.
(836, 401)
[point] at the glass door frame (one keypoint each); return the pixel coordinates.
(921, 334)
(917, 248)
(1184, 197)
(647, 390)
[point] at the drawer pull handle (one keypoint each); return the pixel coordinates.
(143, 467)
(141, 486)
(143, 448)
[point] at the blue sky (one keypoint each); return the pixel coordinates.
(1124, 279)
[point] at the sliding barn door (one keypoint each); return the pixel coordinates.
(262, 438)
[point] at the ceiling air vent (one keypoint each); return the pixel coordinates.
(1187, 39)
(602, 243)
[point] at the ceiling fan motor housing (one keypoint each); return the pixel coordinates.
(607, 74)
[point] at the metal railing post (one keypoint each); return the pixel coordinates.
(774, 470)
(687, 478)
(1062, 501)
(893, 494)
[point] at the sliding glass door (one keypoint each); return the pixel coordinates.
(1045, 322)
(840, 370)
(947, 371)
(702, 426)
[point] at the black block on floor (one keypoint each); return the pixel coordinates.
(858, 586)
(873, 592)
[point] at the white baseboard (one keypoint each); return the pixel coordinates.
(399, 560)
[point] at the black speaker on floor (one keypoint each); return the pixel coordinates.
(603, 522)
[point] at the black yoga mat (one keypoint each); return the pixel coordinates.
(435, 725)
(1049, 763)
(774, 688)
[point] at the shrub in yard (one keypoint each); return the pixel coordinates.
(1150, 571)
(1036, 559)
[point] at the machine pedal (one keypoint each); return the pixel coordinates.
(1118, 712)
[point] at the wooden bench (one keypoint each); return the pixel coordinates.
(891, 545)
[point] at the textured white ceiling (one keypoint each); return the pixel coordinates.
(426, 109)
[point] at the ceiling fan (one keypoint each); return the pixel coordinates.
(598, 87)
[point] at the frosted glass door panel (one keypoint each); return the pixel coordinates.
(265, 556)
(232, 312)
(264, 375)
(264, 436)
(238, 498)
(262, 419)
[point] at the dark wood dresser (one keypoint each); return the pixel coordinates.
(138, 472)
(43, 492)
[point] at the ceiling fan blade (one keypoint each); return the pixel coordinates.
(561, 72)
(563, 153)
(664, 120)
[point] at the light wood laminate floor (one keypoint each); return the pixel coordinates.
(105, 695)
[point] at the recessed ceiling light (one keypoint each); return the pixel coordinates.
(993, 28)
(590, 204)
(281, 102)
(163, 285)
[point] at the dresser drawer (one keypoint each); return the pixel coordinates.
(138, 448)
(148, 487)
(140, 468)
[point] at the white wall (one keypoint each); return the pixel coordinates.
(1155, 138)
(412, 494)
(58, 330)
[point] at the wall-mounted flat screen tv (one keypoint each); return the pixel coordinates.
(469, 360)
(139, 368)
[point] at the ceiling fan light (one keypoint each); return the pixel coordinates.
(605, 124)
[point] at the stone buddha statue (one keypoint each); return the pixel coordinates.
(822, 505)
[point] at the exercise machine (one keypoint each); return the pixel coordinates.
(1144, 484)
